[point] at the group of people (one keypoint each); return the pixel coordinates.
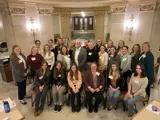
(97, 69)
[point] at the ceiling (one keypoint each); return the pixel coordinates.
(73, 3)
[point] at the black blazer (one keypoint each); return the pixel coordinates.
(148, 63)
(134, 61)
(59, 77)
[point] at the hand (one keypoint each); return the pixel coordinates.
(130, 96)
(92, 90)
(57, 88)
(40, 88)
(25, 74)
(97, 89)
(113, 89)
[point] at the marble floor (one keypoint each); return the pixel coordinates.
(9, 89)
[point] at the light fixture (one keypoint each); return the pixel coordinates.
(83, 14)
(33, 27)
(130, 25)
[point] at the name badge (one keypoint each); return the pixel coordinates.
(33, 58)
(136, 81)
(124, 59)
(143, 55)
(89, 53)
(59, 75)
(111, 77)
(97, 73)
(20, 61)
(40, 77)
(58, 51)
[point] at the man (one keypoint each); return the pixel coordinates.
(86, 44)
(98, 45)
(80, 56)
(108, 46)
(50, 43)
(92, 54)
(38, 45)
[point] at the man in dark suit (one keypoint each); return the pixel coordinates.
(80, 56)
(98, 45)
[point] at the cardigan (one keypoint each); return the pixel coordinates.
(125, 62)
(17, 67)
(74, 83)
(89, 80)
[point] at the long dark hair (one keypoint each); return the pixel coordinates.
(115, 51)
(41, 71)
(119, 46)
(71, 72)
(143, 71)
(139, 51)
(66, 50)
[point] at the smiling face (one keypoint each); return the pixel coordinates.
(73, 68)
(145, 48)
(135, 48)
(90, 45)
(58, 66)
(44, 66)
(102, 49)
(138, 69)
(99, 42)
(121, 44)
(50, 43)
(38, 43)
(17, 50)
(114, 67)
(78, 44)
(72, 44)
(113, 51)
(46, 48)
(34, 50)
(124, 50)
(93, 67)
(64, 50)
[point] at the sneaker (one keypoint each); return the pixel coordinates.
(55, 108)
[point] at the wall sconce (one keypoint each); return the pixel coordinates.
(33, 27)
(130, 25)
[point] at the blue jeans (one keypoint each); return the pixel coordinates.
(131, 102)
(113, 96)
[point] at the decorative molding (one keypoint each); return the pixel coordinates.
(119, 9)
(14, 10)
(99, 13)
(65, 14)
(158, 6)
(147, 7)
(45, 11)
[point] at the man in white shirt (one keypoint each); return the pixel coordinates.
(80, 56)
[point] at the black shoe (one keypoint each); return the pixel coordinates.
(115, 107)
(95, 109)
(130, 115)
(59, 108)
(78, 109)
(55, 107)
(109, 108)
(90, 110)
(73, 109)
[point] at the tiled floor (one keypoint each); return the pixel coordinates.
(66, 114)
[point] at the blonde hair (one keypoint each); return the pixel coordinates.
(34, 46)
(44, 51)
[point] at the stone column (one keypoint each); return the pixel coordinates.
(99, 24)
(65, 25)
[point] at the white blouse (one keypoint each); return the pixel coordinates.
(50, 59)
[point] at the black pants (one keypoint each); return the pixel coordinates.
(125, 76)
(40, 98)
(21, 89)
(98, 99)
(76, 96)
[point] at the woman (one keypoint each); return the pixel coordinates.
(136, 51)
(58, 47)
(51, 45)
(114, 83)
(19, 71)
(125, 65)
(64, 58)
(34, 61)
(120, 45)
(59, 85)
(136, 88)
(71, 47)
(113, 58)
(94, 84)
(75, 81)
(147, 59)
(42, 84)
(48, 56)
(103, 59)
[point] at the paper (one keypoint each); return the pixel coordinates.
(154, 109)
(12, 104)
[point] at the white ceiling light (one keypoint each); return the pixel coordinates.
(83, 14)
